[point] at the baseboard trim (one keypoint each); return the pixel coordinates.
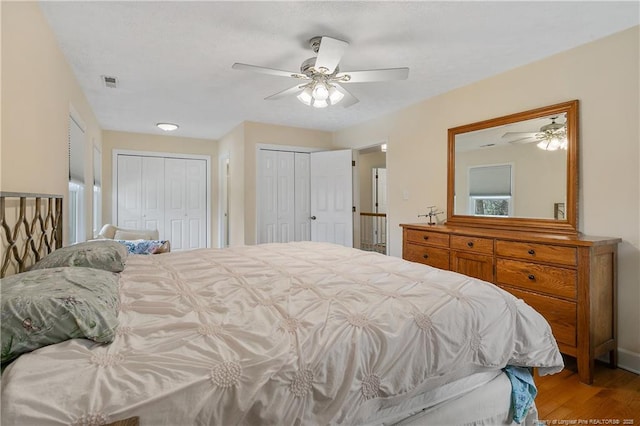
(628, 360)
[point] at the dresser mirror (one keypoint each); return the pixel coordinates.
(516, 172)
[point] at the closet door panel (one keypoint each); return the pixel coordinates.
(175, 215)
(302, 197)
(276, 196)
(267, 196)
(195, 202)
(153, 193)
(286, 196)
(129, 189)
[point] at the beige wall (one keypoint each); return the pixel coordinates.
(603, 75)
(38, 91)
(271, 134)
(157, 143)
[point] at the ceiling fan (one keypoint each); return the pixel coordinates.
(550, 136)
(320, 79)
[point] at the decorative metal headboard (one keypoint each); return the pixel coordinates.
(30, 228)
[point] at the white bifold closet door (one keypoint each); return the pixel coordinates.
(305, 196)
(283, 196)
(141, 192)
(167, 194)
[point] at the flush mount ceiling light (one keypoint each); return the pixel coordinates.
(167, 127)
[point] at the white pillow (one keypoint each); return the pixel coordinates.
(134, 235)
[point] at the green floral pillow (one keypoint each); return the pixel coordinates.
(99, 254)
(48, 306)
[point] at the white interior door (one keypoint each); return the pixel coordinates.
(332, 197)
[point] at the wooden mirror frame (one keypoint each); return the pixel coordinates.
(567, 226)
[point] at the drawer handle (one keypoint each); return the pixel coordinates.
(531, 252)
(426, 237)
(470, 244)
(426, 256)
(532, 277)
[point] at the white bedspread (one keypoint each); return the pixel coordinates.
(298, 333)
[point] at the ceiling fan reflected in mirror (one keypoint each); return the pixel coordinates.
(320, 79)
(550, 137)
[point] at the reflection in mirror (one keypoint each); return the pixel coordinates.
(516, 172)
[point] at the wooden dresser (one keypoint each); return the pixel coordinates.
(570, 280)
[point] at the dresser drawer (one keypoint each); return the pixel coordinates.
(427, 237)
(472, 244)
(560, 255)
(560, 314)
(432, 256)
(472, 264)
(540, 278)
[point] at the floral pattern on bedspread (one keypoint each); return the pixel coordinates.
(298, 333)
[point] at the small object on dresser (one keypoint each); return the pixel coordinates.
(433, 212)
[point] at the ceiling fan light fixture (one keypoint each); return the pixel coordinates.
(553, 140)
(320, 94)
(553, 136)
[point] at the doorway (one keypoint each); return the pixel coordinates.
(372, 199)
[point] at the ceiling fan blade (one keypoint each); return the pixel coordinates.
(527, 139)
(373, 75)
(348, 99)
(329, 54)
(519, 134)
(283, 94)
(270, 71)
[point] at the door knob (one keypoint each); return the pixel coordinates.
(312, 218)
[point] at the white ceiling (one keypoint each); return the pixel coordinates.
(173, 59)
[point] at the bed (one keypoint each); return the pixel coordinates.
(297, 333)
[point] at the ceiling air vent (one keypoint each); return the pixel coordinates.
(111, 82)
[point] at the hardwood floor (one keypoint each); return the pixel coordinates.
(614, 397)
